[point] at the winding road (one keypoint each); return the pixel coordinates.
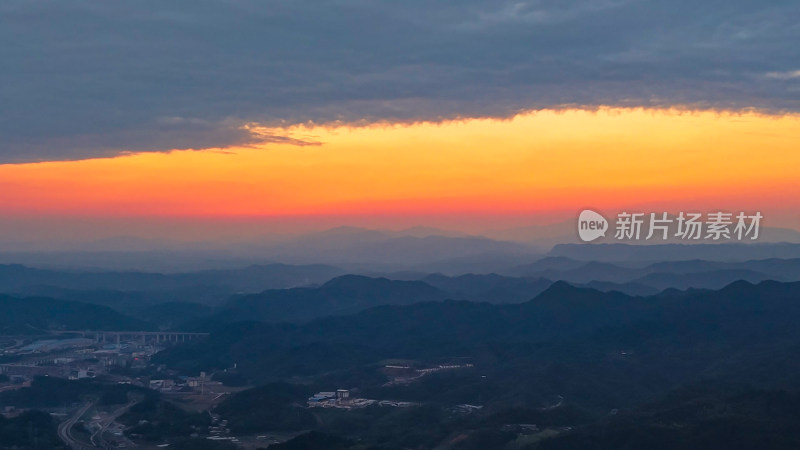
(65, 429)
(104, 424)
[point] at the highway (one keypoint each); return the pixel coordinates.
(65, 429)
(97, 438)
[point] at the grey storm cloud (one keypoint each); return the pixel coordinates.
(82, 79)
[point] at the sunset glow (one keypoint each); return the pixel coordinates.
(536, 162)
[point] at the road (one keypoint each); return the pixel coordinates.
(14, 387)
(97, 438)
(65, 429)
(555, 405)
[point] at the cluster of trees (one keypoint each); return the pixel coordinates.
(29, 430)
(154, 420)
(599, 352)
(48, 392)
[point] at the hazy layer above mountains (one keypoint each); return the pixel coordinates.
(345, 270)
(299, 293)
(421, 249)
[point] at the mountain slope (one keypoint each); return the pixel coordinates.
(15, 278)
(28, 314)
(342, 295)
(490, 288)
(601, 350)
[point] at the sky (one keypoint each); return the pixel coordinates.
(456, 114)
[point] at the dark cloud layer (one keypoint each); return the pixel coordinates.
(95, 78)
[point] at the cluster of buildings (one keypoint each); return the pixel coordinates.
(52, 345)
(341, 399)
(465, 408)
(182, 383)
(404, 374)
(75, 360)
(83, 354)
(329, 398)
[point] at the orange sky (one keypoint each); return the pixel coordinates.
(541, 163)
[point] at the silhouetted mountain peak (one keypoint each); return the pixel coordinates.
(763, 288)
(565, 295)
(360, 282)
(342, 295)
(561, 289)
(560, 286)
(738, 287)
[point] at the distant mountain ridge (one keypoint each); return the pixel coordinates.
(563, 323)
(17, 278)
(676, 252)
(350, 294)
(26, 315)
(342, 295)
(681, 274)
